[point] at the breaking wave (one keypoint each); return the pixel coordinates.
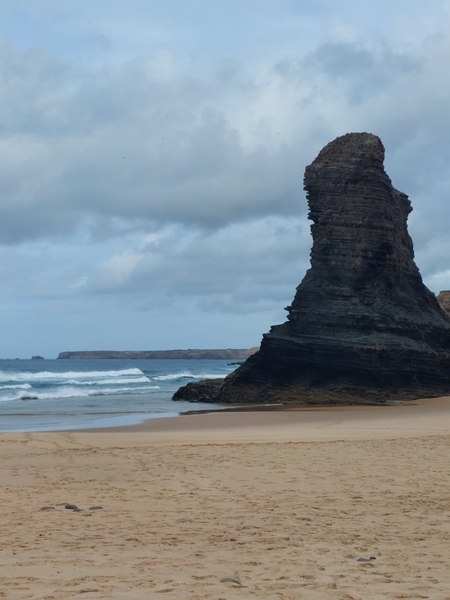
(185, 375)
(71, 392)
(7, 376)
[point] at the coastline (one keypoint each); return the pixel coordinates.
(284, 502)
(423, 417)
(74, 394)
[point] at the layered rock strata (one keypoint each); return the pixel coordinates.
(362, 327)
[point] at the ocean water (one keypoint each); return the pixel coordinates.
(50, 395)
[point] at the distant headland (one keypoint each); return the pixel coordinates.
(227, 353)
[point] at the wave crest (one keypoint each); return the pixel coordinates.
(7, 376)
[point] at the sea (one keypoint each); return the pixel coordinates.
(52, 395)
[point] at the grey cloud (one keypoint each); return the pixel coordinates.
(33, 85)
(247, 267)
(155, 141)
(126, 145)
(200, 176)
(358, 71)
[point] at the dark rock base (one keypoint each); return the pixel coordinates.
(314, 374)
(199, 391)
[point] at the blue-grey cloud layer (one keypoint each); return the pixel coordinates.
(152, 157)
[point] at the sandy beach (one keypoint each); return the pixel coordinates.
(276, 505)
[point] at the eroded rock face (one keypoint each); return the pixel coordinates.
(444, 301)
(362, 327)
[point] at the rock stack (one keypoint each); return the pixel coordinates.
(362, 327)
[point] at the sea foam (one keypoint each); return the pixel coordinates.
(6, 376)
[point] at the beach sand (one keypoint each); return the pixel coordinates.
(283, 502)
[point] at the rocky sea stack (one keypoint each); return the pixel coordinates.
(362, 327)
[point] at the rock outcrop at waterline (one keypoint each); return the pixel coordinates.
(362, 327)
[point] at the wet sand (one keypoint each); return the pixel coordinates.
(284, 502)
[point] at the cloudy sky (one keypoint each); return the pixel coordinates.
(152, 156)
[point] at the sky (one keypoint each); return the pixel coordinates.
(152, 157)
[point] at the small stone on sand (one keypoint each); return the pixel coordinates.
(72, 506)
(230, 580)
(362, 559)
(95, 507)
(48, 508)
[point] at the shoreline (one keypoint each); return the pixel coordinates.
(426, 416)
(418, 418)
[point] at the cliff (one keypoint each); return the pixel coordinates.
(362, 327)
(228, 354)
(444, 301)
